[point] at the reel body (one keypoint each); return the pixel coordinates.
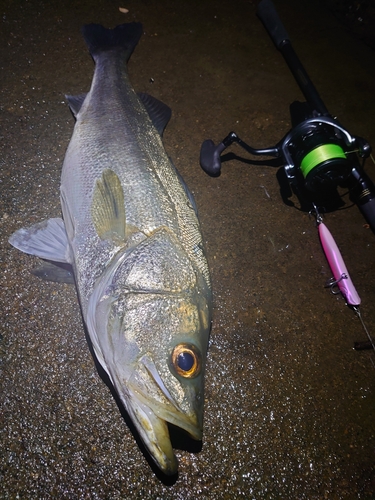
(317, 154)
(319, 160)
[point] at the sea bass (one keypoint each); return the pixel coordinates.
(131, 234)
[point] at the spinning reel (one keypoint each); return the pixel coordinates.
(318, 154)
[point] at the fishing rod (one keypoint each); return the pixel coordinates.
(318, 153)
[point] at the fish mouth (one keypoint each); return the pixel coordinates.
(152, 408)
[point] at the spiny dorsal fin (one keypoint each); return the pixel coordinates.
(159, 112)
(108, 208)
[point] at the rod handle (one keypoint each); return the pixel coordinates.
(268, 15)
(363, 194)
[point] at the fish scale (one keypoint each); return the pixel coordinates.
(128, 158)
(167, 202)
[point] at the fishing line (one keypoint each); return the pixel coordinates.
(358, 313)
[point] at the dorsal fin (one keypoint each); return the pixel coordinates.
(159, 112)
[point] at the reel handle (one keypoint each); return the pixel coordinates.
(210, 154)
(210, 157)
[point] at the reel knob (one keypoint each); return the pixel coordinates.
(210, 157)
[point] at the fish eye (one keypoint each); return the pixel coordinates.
(186, 360)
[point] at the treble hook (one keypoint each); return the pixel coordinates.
(332, 283)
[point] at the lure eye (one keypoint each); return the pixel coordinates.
(186, 360)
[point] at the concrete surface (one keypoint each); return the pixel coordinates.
(289, 403)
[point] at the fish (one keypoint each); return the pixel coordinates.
(131, 234)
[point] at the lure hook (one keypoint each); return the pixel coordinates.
(332, 283)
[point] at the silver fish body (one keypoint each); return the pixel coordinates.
(132, 235)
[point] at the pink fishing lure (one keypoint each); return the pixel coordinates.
(338, 267)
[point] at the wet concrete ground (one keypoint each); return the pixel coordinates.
(289, 403)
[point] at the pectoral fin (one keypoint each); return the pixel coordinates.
(108, 208)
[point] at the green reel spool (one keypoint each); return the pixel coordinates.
(320, 155)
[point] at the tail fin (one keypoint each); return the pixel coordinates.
(124, 37)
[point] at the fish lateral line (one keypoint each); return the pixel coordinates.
(174, 293)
